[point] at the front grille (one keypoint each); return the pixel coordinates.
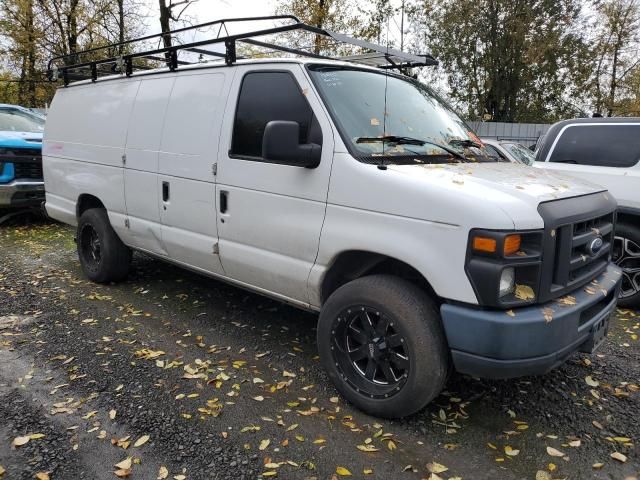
(571, 254)
(27, 162)
(575, 262)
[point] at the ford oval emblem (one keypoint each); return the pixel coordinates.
(594, 246)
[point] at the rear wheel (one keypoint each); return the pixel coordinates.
(626, 254)
(381, 341)
(103, 256)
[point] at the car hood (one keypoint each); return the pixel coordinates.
(513, 179)
(10, 139)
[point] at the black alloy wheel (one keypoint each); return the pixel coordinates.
(369, 352)
(90, 247)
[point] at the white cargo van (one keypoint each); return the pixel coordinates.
(338, 186)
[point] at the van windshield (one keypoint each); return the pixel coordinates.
(397, 118)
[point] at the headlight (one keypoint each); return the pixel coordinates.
(507, 282)
(500, 261)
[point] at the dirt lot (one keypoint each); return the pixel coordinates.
(178, 376)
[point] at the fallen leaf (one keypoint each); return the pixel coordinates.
(542, 475)
(163, 473)
(598, 465)
(343, 472)
(591, 382)
(141, 441)
(510, 451)
(179, 477)
(575, 443)
(334, 399)
(42, 476)
(112, 414)
(2, 470)
(36, 436)
(20, 441)
(122, 473)
(367, 448)
(524, 292)
(264, 444)
(367, 471)
(259, 398)
(435, 467)
(125, 464)
(554, 452)
(619, 457)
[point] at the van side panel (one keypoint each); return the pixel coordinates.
(83, 146)
(189, 148)
(141, 168)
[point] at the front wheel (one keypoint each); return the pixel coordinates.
(382, 343)
(626, 254)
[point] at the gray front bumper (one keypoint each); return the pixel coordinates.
(21, 193)
(494, 344)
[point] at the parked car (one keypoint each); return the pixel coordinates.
(343, 189)
(604, 151)
(508, 150)
(21, 182)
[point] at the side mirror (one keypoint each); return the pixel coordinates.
(280, 145)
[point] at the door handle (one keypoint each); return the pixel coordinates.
(224, 201)
(165, 191)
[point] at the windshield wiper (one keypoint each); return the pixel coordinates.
(464, 143)
(399, 140)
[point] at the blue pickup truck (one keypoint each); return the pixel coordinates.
(21, 181)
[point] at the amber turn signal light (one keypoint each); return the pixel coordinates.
(512, 244)
(484, 244)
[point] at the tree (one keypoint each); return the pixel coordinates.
(507, 60)
(617, 52)
(169, 13)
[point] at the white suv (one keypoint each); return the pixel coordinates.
(604, 151)
(338, 188)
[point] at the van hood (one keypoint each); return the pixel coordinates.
(520, 181)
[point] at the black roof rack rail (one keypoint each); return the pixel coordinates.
(118, 58)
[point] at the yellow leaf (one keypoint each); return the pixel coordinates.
(598, 465)
(591, 382)
(510, 451)
(575, 443)
(619, 457)
(617, 439)
(2, 470)
(367, 471)
(300, 438)
(554, 453)
(259, 398)
(163, 473)
(292, 427)
(542, 475)
(122, 473)
(435, 467)
(271, 465)
(141, 441)
(125, 464)
(343, 472)
(270, 473)
(288, 374)
(391, 445)
(333, 399)
(264, 444)
(367, 448)
(319, 441)
(552, 467)
(112, 414)
(20, 441)
(179, 477)
(42, 476)
(36, 436)
(524, 292)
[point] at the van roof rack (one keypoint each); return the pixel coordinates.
(120, 58)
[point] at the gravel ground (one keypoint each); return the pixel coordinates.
(172, 375)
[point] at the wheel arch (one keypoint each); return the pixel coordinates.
(86, 201)
(352, 264)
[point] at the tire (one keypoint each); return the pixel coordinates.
(103, 256)
(626, 254)
(406, 340)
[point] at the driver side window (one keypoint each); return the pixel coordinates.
(267, 96)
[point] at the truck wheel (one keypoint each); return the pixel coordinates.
(382, 343)
(103, 256)
(626, 254)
